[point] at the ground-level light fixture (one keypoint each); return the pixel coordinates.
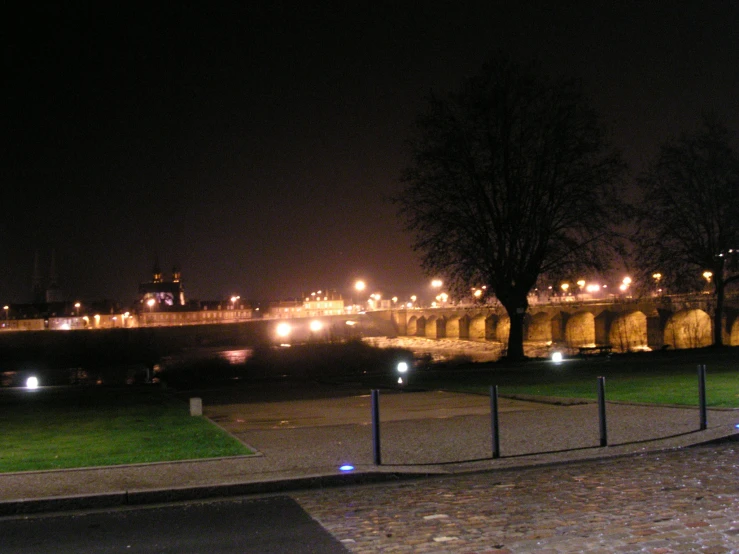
(283, 330)
(557, 357)
(316, 325)
(32, 383)
(402, 368)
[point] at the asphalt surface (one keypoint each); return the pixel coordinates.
(225, 527)
(301, 445)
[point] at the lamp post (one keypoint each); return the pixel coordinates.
(7, 312)
(359, 286)
(77, 308)
(657, 278)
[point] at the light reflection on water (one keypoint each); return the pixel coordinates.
(236, 357)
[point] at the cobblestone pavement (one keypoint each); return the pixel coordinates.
(676, 501)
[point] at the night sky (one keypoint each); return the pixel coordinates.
(255, 147)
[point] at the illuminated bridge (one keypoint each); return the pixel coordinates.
(624, 325)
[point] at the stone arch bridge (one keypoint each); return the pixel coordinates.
(625, 325)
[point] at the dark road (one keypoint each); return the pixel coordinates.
(271, 525)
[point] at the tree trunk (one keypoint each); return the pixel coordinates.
(516, 313)
(718, 329)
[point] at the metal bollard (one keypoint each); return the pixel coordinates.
(702, 397)
(494, 421)
(376, 427)
(602, 411)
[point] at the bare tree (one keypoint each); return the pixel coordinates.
(511, 178)
(689, 215)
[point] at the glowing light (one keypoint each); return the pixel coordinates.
(557, 357)
(360, 285)
(414, 298)
(626, 281)
(400, 380)
(592, 288)
(581, 283)
(657, 276)
(283, 330)
(402, 367)
(316, 325)
(346, 467)
(477, 293)
(565, 286)
(32, 383)
(707, 275)
(437, 283)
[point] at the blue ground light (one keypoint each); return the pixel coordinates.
(346, 467)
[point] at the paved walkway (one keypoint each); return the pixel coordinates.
(677, 501)
(301, 445)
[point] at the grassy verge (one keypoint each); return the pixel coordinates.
(55, 429)
(659, 378)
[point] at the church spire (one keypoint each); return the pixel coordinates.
(157, 271)
(38, 289)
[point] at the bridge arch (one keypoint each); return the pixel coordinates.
(734, 333)
(435, 327)
(580, 329)
(628, 331)
(416, 326)
(690, 328)
(477, 327)
(457, 327)
(502, 329)
(539, 327)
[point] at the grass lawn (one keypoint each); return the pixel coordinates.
(658, 377)
(68, 428)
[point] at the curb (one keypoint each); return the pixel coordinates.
(130, 498)
(140, 498)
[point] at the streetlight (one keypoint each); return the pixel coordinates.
(657, 278)
(360, 285)
(624, 286)
(77, 308)
(437, 283)
(7, 312)
(151, 303)
(707, 275)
